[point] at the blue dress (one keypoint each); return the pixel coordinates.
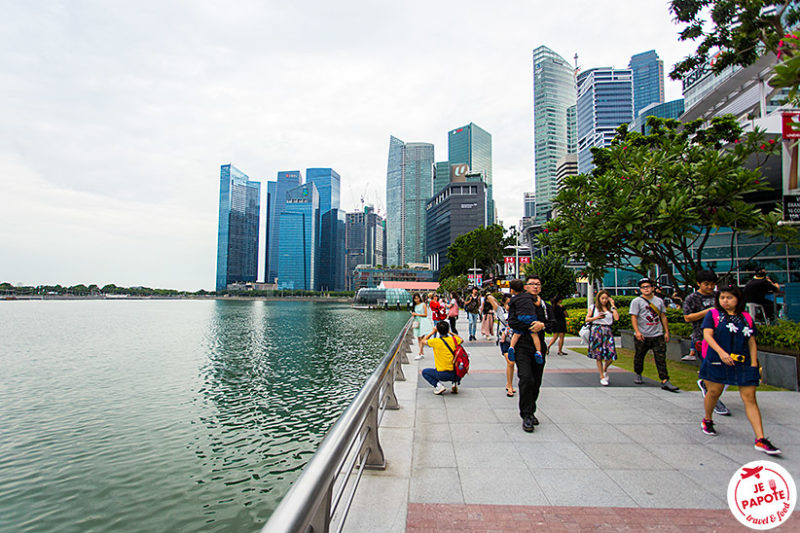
(732, 334)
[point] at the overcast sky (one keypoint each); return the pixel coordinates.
(116, 116)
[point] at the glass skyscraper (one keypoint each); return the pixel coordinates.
(605, 100)
(276, 202)
(330, 245)
(441, 175)
(648, 80)
(237, 235)
(297, 241)
(472, 145)
(554, 121)
(409, 185)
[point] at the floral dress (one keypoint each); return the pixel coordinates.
(601, 338)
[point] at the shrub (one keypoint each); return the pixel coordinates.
(784, 334)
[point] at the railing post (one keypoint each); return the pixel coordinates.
(391, 398)
(375, 460)
(321, 519)
(398, 372)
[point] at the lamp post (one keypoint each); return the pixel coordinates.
(474, 270)
(517, 247)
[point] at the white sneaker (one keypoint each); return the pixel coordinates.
(604, 381)
(688, 357)
(439, 388)
(418, 357)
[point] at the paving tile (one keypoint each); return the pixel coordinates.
(559, 455)
(486, 455)
(577, 415)
(433, 455)
(665, 489)
(462, 416)
(509, 416)
(390, 495)
(624, 457)
(592, 433)
(663, 433)
(435, 485)
(545, 432)
(397, 445)
(692, 456)
(628, 415)
(432, 415)
(478, 432)
(507, 486)
(431, 433)
(581, 488)
(398, 418)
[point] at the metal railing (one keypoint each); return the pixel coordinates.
(349, 447)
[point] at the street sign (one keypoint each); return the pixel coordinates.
(475, 279)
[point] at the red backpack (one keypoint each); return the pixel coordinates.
(460, 359)
(715, 316)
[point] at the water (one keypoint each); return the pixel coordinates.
(170, 415)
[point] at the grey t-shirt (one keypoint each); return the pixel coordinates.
(649, 321)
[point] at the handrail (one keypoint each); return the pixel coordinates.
(310, 504)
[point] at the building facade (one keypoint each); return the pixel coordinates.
(276, 202)
(330, 251)
(237, 234)
(441, 175)
(369, 277)
(529, 204)
(605, 101)
(409, 185)
(648, 80)
(364, 241)
(457, 209)
(472, 145)
(672, 109)
(554, 120)
(298, 239)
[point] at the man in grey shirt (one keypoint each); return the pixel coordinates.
(651, 332)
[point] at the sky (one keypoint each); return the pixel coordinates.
(116, 116)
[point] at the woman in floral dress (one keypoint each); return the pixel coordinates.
(601, 338)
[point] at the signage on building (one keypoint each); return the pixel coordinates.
(458, 172)
(790, 127)
(791, 167)
(791, 208)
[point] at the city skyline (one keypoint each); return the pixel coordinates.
(119, 117)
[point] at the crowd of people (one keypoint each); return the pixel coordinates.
(723, 333)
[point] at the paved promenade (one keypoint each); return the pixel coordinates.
(616, 458)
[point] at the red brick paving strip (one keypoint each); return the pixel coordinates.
(442, 518)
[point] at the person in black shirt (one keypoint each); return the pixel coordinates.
(757, 289)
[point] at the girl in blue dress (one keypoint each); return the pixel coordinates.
(731, 359)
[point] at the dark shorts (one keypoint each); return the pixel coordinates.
(504, 346)
(560, 327)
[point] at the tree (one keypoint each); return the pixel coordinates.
(485, 246)
(557, 279)
(453, 284)
(660, 197)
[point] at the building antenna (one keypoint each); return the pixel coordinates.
(576, 60)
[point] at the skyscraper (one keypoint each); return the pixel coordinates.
(297, 242)
(648, 80)
(472, 145)
(529, 201)
(364, 241)
(330, 244)
(409, 184)
(276, 202)
(455, 210)
(441, 175)
(554, 132)
(237, 235)
(605, 100)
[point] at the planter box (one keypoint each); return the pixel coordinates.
(778, 370)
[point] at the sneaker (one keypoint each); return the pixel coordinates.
(638, 379)
(604, 381)
(764, 445)
(538, 357)
(439, 389)
(527, 424)
(721, 409)
(689, 357)
(535, 420)
(511, 355)
(418, 357)
(669, 387)
(454, 390)
(702, 385)
(708, 428)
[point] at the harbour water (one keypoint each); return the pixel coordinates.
(170, 415)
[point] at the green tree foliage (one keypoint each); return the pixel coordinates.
(557, 279)
(660, 197)
(453, 284)
(485, 245)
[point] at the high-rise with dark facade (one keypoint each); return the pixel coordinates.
(409, 185)
(276, 202)
(330, 246)
(364, 242)
(472, 145)
(648, 80)
(237, 235)
(455, 210)
(554, 120)
(298, 239)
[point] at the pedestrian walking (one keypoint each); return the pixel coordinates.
(601, 318)
(731, 358)
(443, 359)
(452, 312)
(422, 322)
(472, 306)
(560, 325)
(504, 337)
(651, 332)
(487, 323)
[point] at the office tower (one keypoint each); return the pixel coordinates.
(297, 241)
(472, 145)
(276, 202)
(455, 210)
(567, 166)
(671, 109)
(409, 184)
(441, 175)
(237, 235)
(605, 100)
(529, 200)
(364, 241)
(331, 248)
(648, 80)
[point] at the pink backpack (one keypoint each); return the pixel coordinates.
(715, 315)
